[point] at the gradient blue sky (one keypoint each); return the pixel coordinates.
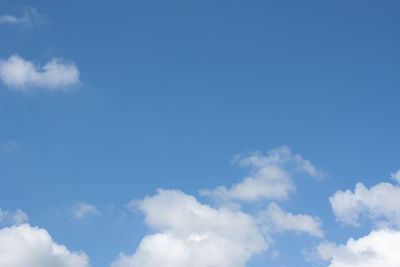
(170, 91)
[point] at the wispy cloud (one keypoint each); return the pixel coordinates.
(30, 18)
(270, 176)
(10, 146)
(82, 210)
(20, 74)
(14, 218)
(280, 220)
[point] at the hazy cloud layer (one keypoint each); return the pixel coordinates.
(20, 74)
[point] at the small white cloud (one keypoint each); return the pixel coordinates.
(269, 179)
(82, 210)
(379, 203)
(378, 249)
(396, 176)
(189, 234)
(280, 220)
(20, 217)
(13, 218)
(31, 17)
(20, 74)
(10, 146)
(24, 245)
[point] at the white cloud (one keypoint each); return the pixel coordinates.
(280, 220)
(269, 179)
(396, 176)
(21, 74)
(15, 218)
(30, 18)
(24, 245)
(379, 203)
(10, 146)
(20, 217)
(3, 214)
(378, 249)
(82, 210)
(191, 234)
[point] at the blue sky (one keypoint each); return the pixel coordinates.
(142, 95)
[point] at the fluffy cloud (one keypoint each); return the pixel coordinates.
(191, 234)
(21, 74)
(379, 203)
(280, 220)
(24, 245)
(30, 18)
(82, 210)
(269, 179)
(379, 248)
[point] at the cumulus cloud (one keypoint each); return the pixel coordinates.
(191, 234)
(379, 248)
(379, 203)
(29, 18)
(269, 179)
(24, 245)
(280, 220)
(82, 210)
(20, 74)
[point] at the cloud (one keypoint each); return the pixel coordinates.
(269, 179)
(82, 210)
(280, 220)
(24, 245)
(10, 146)
(20, 217)
(396, 176)
(15, 218)
(379, 203)
(379, 248)
(3, 214)
(30, 18)
(20, 74)
(191, 234)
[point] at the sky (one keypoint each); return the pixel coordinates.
(199, 133)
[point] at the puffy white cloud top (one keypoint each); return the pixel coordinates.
(24, 245)
(378, 249)
(380, 203)
(20, 74)
(191, 234)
